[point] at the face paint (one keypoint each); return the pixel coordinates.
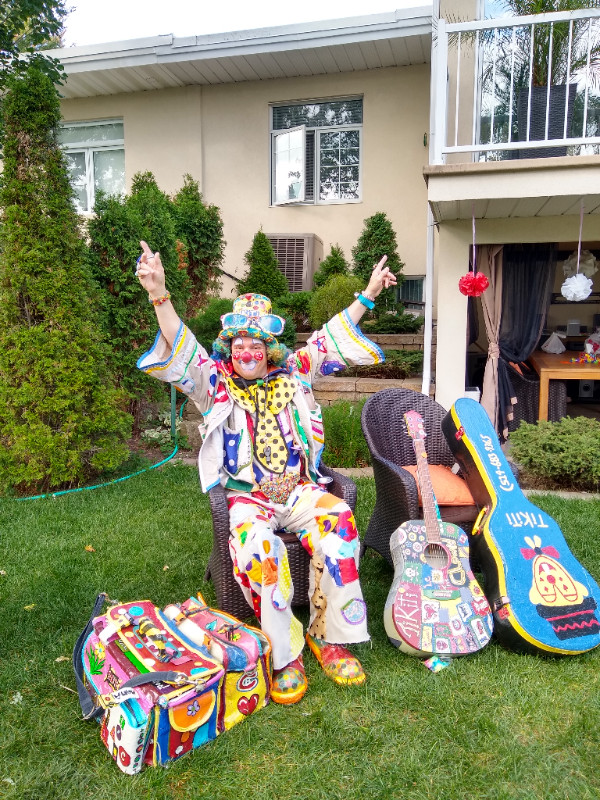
(246, 357)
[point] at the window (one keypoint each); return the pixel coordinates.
(96, 159)
(410, 293)
(315, 152)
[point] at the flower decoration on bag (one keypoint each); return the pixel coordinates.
(473, 284)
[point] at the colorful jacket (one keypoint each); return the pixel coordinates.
(187, 365)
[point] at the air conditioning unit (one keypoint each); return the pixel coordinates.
(299, 255)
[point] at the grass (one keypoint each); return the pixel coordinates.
(494, 725)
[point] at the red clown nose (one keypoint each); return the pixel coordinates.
(246, 357)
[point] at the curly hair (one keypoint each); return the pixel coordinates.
(277, 354)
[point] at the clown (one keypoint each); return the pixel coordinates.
(262, 439)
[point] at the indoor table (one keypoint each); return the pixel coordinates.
(557, 366)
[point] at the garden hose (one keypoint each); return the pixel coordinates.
(133, 474)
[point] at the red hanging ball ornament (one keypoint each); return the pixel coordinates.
(473, 284)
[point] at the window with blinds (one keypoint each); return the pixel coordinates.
(410, 293)
(316, 152)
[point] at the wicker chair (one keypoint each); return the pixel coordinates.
(390, 446)
(220, 566)
(526, 386)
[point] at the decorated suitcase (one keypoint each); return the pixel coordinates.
(244, 651)
(544, 601)
(162, 683)
(161, 695)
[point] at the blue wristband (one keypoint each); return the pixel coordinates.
(364, 300)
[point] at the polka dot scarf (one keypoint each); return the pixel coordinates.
(266, 399)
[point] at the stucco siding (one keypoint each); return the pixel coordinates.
(162, 130)
(220, 135)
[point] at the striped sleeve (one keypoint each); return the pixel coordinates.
(186, 365)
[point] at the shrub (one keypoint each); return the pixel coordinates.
(398, 364)
(129, 320)
(200, 228)
(329, 300)
(334, 264)
(60, 417)
(264, 275)
(207, 323)
(567, 452)
(288, 337)
(377, 240)
(345, 444)
(397, 323)
(159, 434)
(296, 305)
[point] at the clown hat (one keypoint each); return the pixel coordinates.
(251, 316)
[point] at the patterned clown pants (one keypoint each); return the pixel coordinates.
(326, 528)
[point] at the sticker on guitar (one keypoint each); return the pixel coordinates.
(435, 606)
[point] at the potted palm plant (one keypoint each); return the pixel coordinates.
(544, 66)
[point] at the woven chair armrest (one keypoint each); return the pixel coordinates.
(399, 485)
(217, 498)
(342, 486)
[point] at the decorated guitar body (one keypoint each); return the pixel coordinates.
(543, 600)
(435, 606)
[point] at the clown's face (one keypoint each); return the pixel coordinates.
(249, 357)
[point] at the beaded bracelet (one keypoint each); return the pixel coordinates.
(364, 300)
(158, 301)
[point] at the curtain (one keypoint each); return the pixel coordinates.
(527, 279)
(489, 261)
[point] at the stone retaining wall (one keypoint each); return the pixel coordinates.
(388, 341)
(328, 390)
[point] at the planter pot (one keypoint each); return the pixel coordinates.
(537, 121)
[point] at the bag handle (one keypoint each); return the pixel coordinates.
(89, 710)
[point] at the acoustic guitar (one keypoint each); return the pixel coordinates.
(435, 606)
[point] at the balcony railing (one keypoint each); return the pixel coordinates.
(499, 87)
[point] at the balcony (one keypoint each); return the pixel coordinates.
(501, 84)
(515, 125)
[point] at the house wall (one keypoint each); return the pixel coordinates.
(453, 245)
(162, 130)
(220, 135)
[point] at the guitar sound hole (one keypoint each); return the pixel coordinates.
(435, 556)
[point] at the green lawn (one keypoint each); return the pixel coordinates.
(494, 725)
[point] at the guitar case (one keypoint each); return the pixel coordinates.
(543, 600)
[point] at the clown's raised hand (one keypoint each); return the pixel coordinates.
(151, 274)
(381, 278)
(150, 271)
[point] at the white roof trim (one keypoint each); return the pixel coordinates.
(168, 48)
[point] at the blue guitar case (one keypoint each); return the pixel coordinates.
(542, 598)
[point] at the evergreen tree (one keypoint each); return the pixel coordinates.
(264, 275)
(59, 417)
(334, 264)
(129, 321)
(200, 228)
(376, 240)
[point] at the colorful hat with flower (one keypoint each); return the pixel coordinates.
(252, 316)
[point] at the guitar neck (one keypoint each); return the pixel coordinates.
(430, 507)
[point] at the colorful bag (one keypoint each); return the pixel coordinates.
(165, 682)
